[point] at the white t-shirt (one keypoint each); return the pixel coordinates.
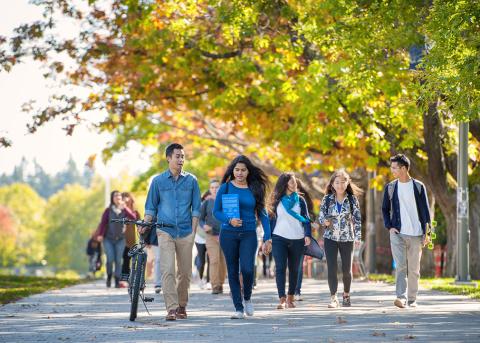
(408, 209)
(287, 226)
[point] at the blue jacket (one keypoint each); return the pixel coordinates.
(303, 212)
(391, 209)
(247, 204)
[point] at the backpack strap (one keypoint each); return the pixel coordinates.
(327, 202)
(391, 190)
(350, 201)
(418, 185)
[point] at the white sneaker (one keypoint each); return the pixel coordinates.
(249, 308)
(208, 286)
(333, 302)
(237, 315)
(298, 297)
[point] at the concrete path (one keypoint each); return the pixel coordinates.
(92, 313)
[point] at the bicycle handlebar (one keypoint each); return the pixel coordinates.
(140, 223)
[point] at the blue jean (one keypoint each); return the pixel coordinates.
(298, 290)
(114, 252)
(239, 248)
(287, 252)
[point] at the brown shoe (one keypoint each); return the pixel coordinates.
(216, 290)
(400, 303)
(283, 303)
(181, 312)
(290, 301)
(172, 315)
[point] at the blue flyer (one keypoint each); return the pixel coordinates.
(231, 205)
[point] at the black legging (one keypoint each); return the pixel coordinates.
(346, 254)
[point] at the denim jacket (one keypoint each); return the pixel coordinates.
(174, 202)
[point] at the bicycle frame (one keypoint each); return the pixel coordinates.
(136, 278)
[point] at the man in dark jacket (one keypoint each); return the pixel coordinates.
(406, 215)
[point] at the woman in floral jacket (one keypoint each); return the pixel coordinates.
(340, 214)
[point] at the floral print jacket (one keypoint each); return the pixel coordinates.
(345, 226)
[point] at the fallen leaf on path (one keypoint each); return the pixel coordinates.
(341, 320)
(379, 334)
(410, 326)
(409, 336)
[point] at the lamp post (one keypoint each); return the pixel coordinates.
(463, 231)
(371, 232)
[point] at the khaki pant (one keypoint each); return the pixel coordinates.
(175, 287)
(218, 267)
(407, 252)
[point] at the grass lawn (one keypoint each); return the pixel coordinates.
(438, 284)
(13, 288)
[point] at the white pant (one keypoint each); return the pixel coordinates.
(407, 252)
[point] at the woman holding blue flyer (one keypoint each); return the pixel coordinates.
(291, 232)
(239, 201)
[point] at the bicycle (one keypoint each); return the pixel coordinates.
(136, 278)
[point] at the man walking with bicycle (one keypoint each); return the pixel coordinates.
(174, 199)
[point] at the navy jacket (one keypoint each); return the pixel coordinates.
(391, 212)
(303, 212)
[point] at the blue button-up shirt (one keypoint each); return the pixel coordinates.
(174, 202)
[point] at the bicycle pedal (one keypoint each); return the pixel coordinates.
(148, 299)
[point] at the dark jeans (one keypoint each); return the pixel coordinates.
(239, 248)
(286, 252)
(114, 252)
(201, 259)
(298, 290)
(346, 254)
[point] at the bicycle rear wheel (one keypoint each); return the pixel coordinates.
(137, 280)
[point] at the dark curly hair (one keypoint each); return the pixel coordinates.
(257, 180)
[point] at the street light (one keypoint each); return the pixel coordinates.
(463, 231)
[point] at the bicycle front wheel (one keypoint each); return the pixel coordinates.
(137, 281)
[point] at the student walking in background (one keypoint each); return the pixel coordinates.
(130, 234)
(291, 232)
(340, 214)
(94, 253)
(406, 214)
(113, 235)
(201, 260)
(238, 237)
(174, 199)
(211, 226)
(314, 225)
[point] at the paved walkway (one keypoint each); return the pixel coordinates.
(91, 313)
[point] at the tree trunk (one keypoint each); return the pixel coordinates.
(436, 178)
(474, 218)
